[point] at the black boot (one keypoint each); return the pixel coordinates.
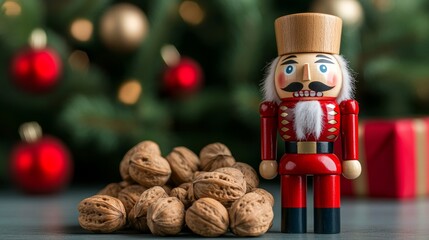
(294, 220)
(327, 220)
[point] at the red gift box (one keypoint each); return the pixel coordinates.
(394, 155)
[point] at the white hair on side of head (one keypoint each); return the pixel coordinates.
(268, 85)
(347, 90)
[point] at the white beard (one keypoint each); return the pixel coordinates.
(308, 116)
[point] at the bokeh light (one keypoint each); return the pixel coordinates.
(191, 12)
(130, 91)
(81, 29)
(11, 8)
(79, 60)
(38, 39)
(170, 55)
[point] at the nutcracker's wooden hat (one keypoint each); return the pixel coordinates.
(307, 33)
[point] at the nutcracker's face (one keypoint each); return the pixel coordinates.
(308, 76)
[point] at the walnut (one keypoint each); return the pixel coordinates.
(138, 214)
(218, 193)
(182, 195)
(250, 175)
(125, 184)
(196, 174)
(101, 213)
(214, 156)
(148, 147)
(186, 185)
(233, 172)
(251, 215)
(184, 163)
(207, 217)
(124, 166)
(220, 186)
(130, 195)
(264, 193)
(189, 187)
(166, 216)
(111, 189)
(166, 188)
(149, 169)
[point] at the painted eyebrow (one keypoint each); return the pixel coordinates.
(290, 61)
(322, 56)
(323, 61)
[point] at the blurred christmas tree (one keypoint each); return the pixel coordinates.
(392, 63)
(182, 72)
(176, 72)
(386, 43)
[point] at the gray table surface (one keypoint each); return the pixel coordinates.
(55, 217)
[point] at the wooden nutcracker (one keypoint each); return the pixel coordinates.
(308, 100)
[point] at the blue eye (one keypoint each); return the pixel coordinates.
(289, 69)
(323, 68)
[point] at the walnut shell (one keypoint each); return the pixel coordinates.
(214, 156)
(189, 187)
(124, 166)
(220, 186)
(125, 184)
(186, 185)
(207, 217)
(111, 189)
(182, 195)
(233, 172)
(101, 213)
(149, 170)
(251, 215)
(166, 216)
(183, 163)
(264, 193)
(130, 195)
(196, 174)
(250, 175)
(166, 188)
(138, 214)
(148, 147)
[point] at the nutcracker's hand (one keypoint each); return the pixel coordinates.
(268, 169)
(351, 169)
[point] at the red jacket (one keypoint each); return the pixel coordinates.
(337, 119)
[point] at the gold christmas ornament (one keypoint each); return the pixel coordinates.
(350, 11)
(123, 27)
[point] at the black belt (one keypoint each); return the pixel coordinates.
(309, 147)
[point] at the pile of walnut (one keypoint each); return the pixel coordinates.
(212, 193)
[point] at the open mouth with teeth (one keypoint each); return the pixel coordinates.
(307, 93)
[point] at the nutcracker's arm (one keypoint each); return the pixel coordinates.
(268, 113)
(349, 129)
(349, 136)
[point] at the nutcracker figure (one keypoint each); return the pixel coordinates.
(308, 101)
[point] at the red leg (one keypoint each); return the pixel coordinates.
(294, 212)
(327, 203)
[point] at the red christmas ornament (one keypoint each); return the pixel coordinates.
(184, 78)
(40, 164)
(37, 68)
